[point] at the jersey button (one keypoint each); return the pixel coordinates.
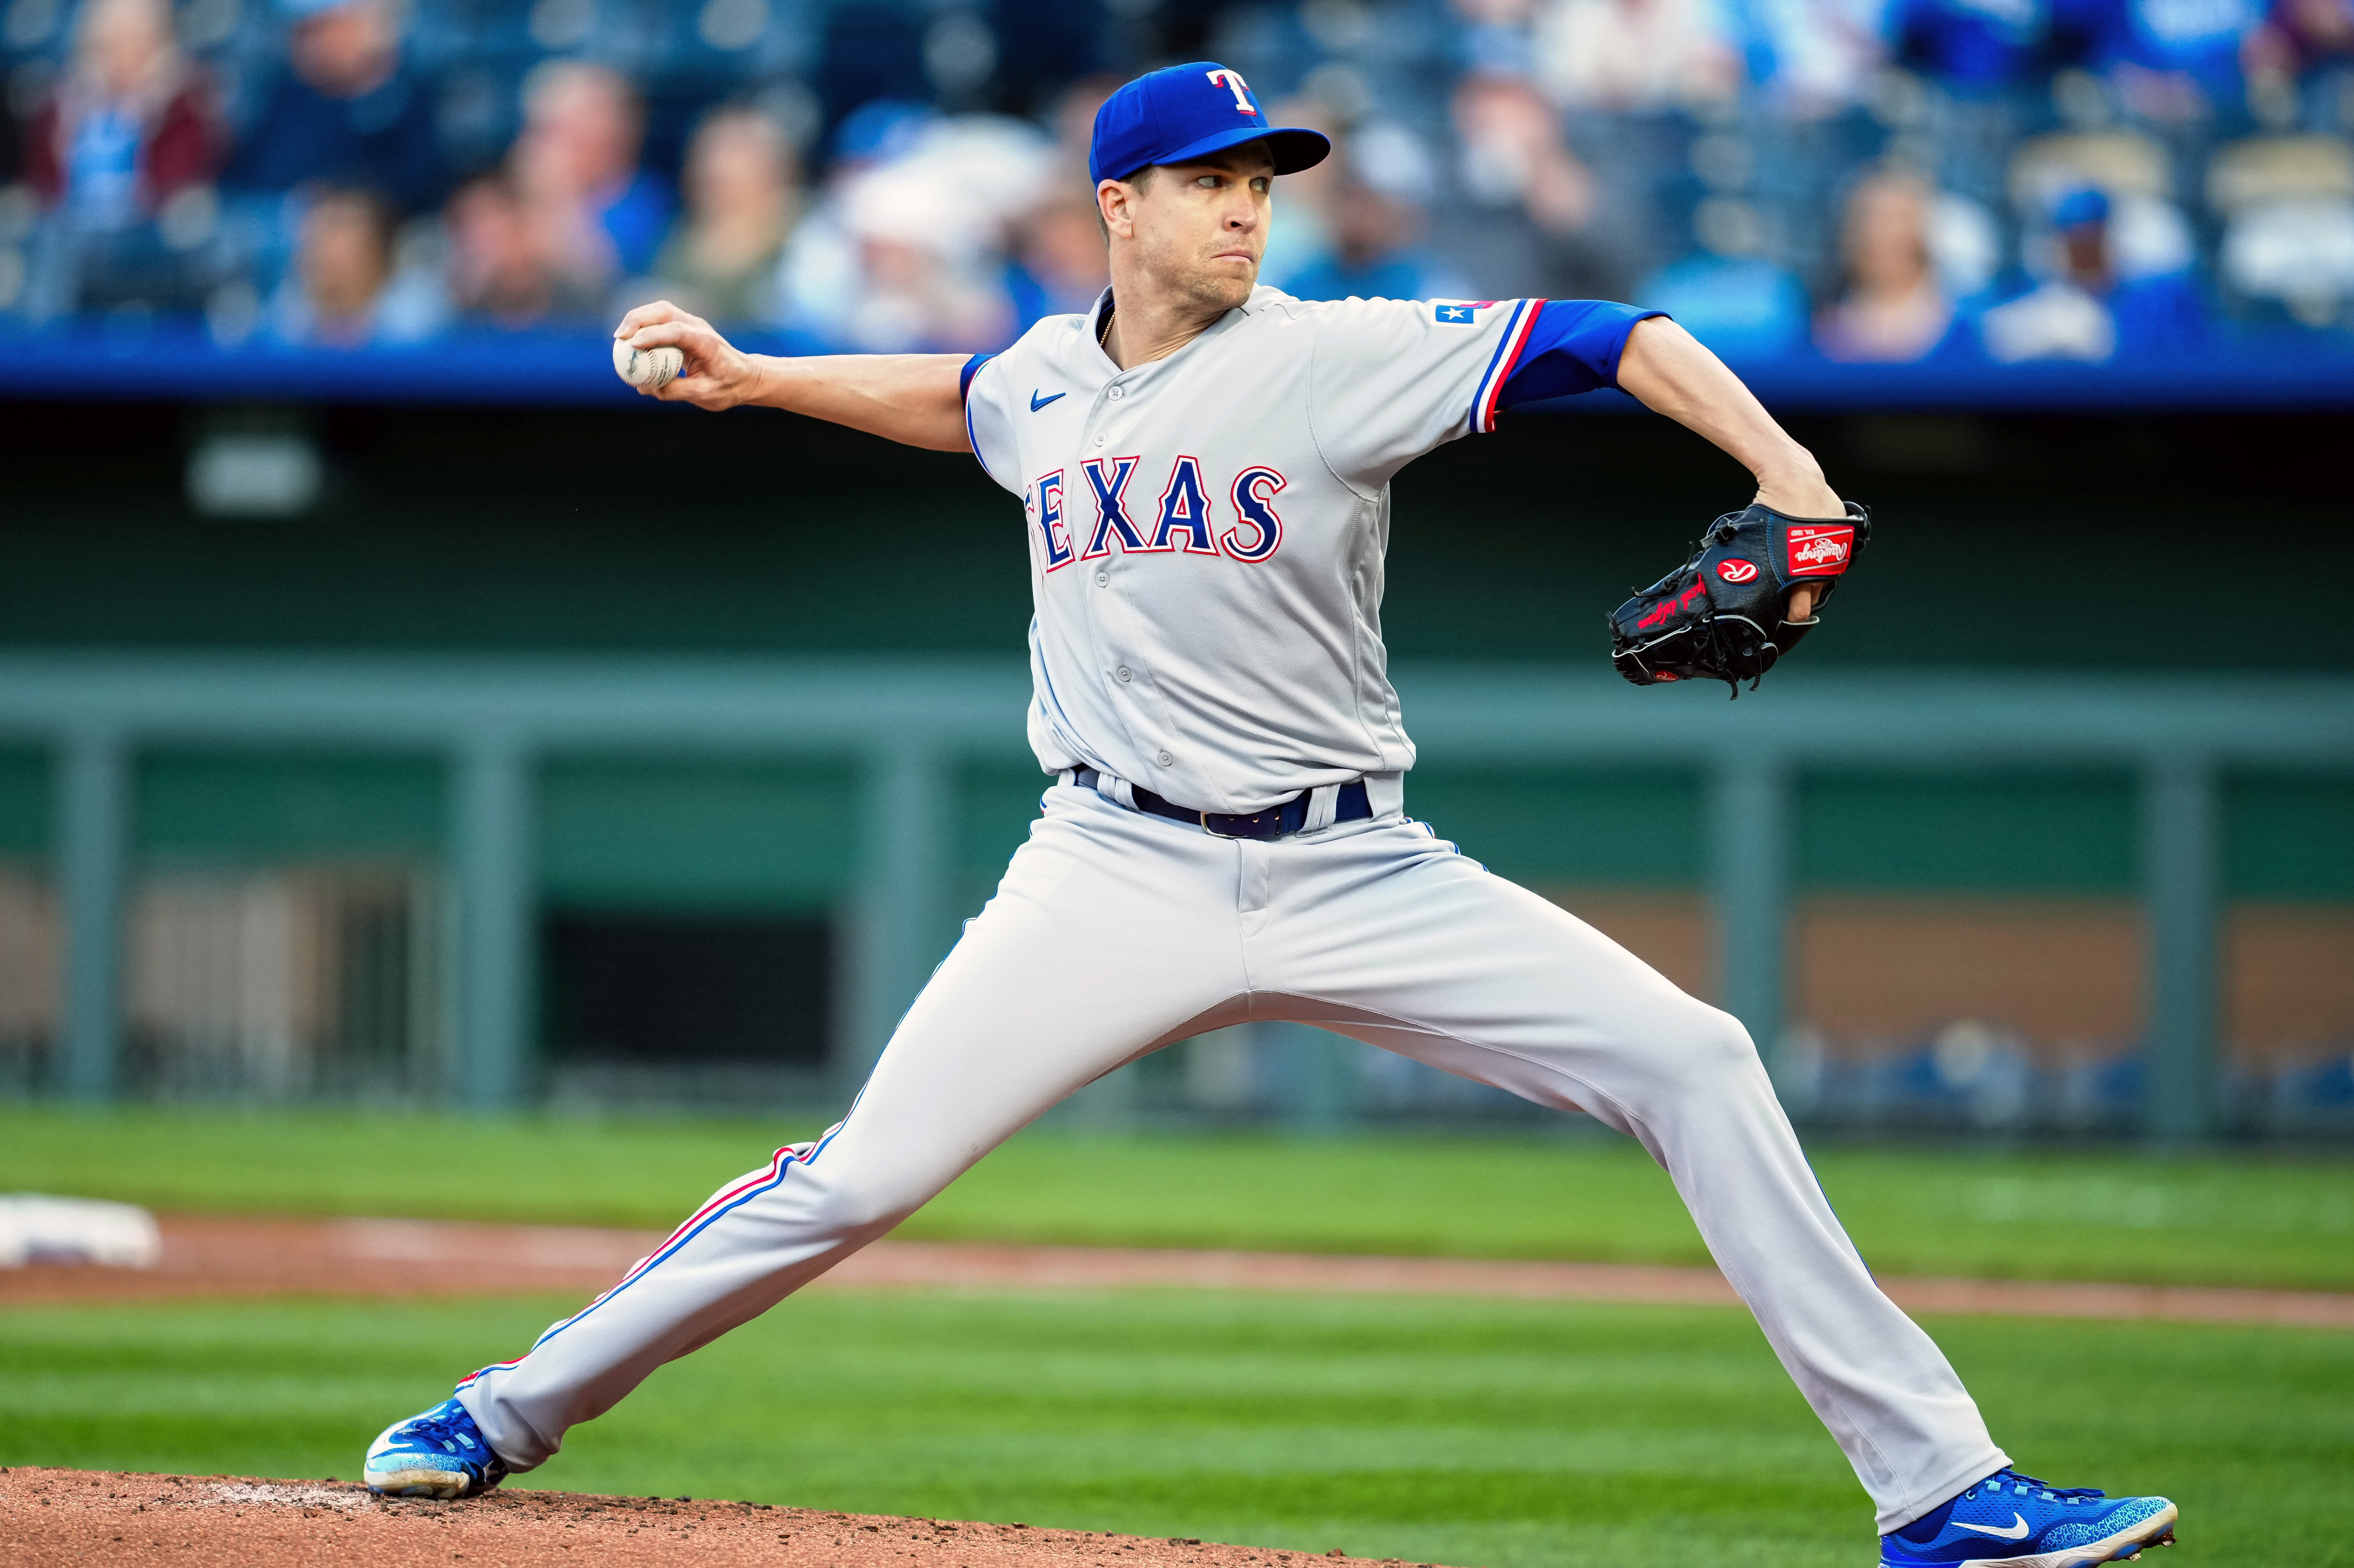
(1103, 579)
(1099, 440)
(1124, 674)
(1118, 393)
(1165, 759)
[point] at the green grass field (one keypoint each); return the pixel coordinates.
(1514, 1435)
(2080, 1216)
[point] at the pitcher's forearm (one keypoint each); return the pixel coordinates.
(1668, 371)
(916, 398)
(908, 397)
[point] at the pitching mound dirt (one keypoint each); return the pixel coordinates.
(49, 1518)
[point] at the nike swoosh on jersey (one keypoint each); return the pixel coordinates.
(2017, 1530)
(1037, 402)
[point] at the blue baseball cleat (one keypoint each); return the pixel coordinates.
(440, 1454)
(2011, 1520)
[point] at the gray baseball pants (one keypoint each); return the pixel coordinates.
(1115, 933)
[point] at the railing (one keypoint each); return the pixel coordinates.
(910, 724)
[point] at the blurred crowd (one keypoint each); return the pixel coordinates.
(1867, 180)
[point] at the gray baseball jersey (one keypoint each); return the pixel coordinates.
(1172, 524)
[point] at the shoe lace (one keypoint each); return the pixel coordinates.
(443, 1428)
(2000, 1479)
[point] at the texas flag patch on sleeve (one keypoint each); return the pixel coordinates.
(1459, 313)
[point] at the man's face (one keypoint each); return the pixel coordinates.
(2087, 247)
(347, 49)
(1197, 229)
(342, 258)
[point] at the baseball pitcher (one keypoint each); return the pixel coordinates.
(1204, 467)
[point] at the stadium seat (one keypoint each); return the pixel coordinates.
(2287, 208)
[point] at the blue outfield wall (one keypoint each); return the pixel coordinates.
(160, 359)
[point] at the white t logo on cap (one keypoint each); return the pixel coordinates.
(1233, 82)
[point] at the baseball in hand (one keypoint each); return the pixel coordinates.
(651, 368)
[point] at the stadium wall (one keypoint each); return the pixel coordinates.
(1944, 918)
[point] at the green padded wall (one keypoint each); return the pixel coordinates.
(518, 528)
(679, 834)
(645, 833)
(2002, 831)
(1624, 828)
(24, 803)
(2006, 831)
(996, 807)
(2290, 838)
(270, 805)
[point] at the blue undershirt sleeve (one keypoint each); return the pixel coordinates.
(971, 368)
(1573, 347)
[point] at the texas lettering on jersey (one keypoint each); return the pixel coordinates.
(1207, 530)
(1185, 517)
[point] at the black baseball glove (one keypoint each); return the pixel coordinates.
(1723, 615)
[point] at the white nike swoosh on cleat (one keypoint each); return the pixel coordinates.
(2017, 1530)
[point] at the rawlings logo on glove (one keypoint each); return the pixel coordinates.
(1723, 615)
(1819, 550)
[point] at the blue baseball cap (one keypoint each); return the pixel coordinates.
(2086, 203)
(1187, 111)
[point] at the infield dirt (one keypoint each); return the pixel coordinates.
(49, 1518)
(381, 1259)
